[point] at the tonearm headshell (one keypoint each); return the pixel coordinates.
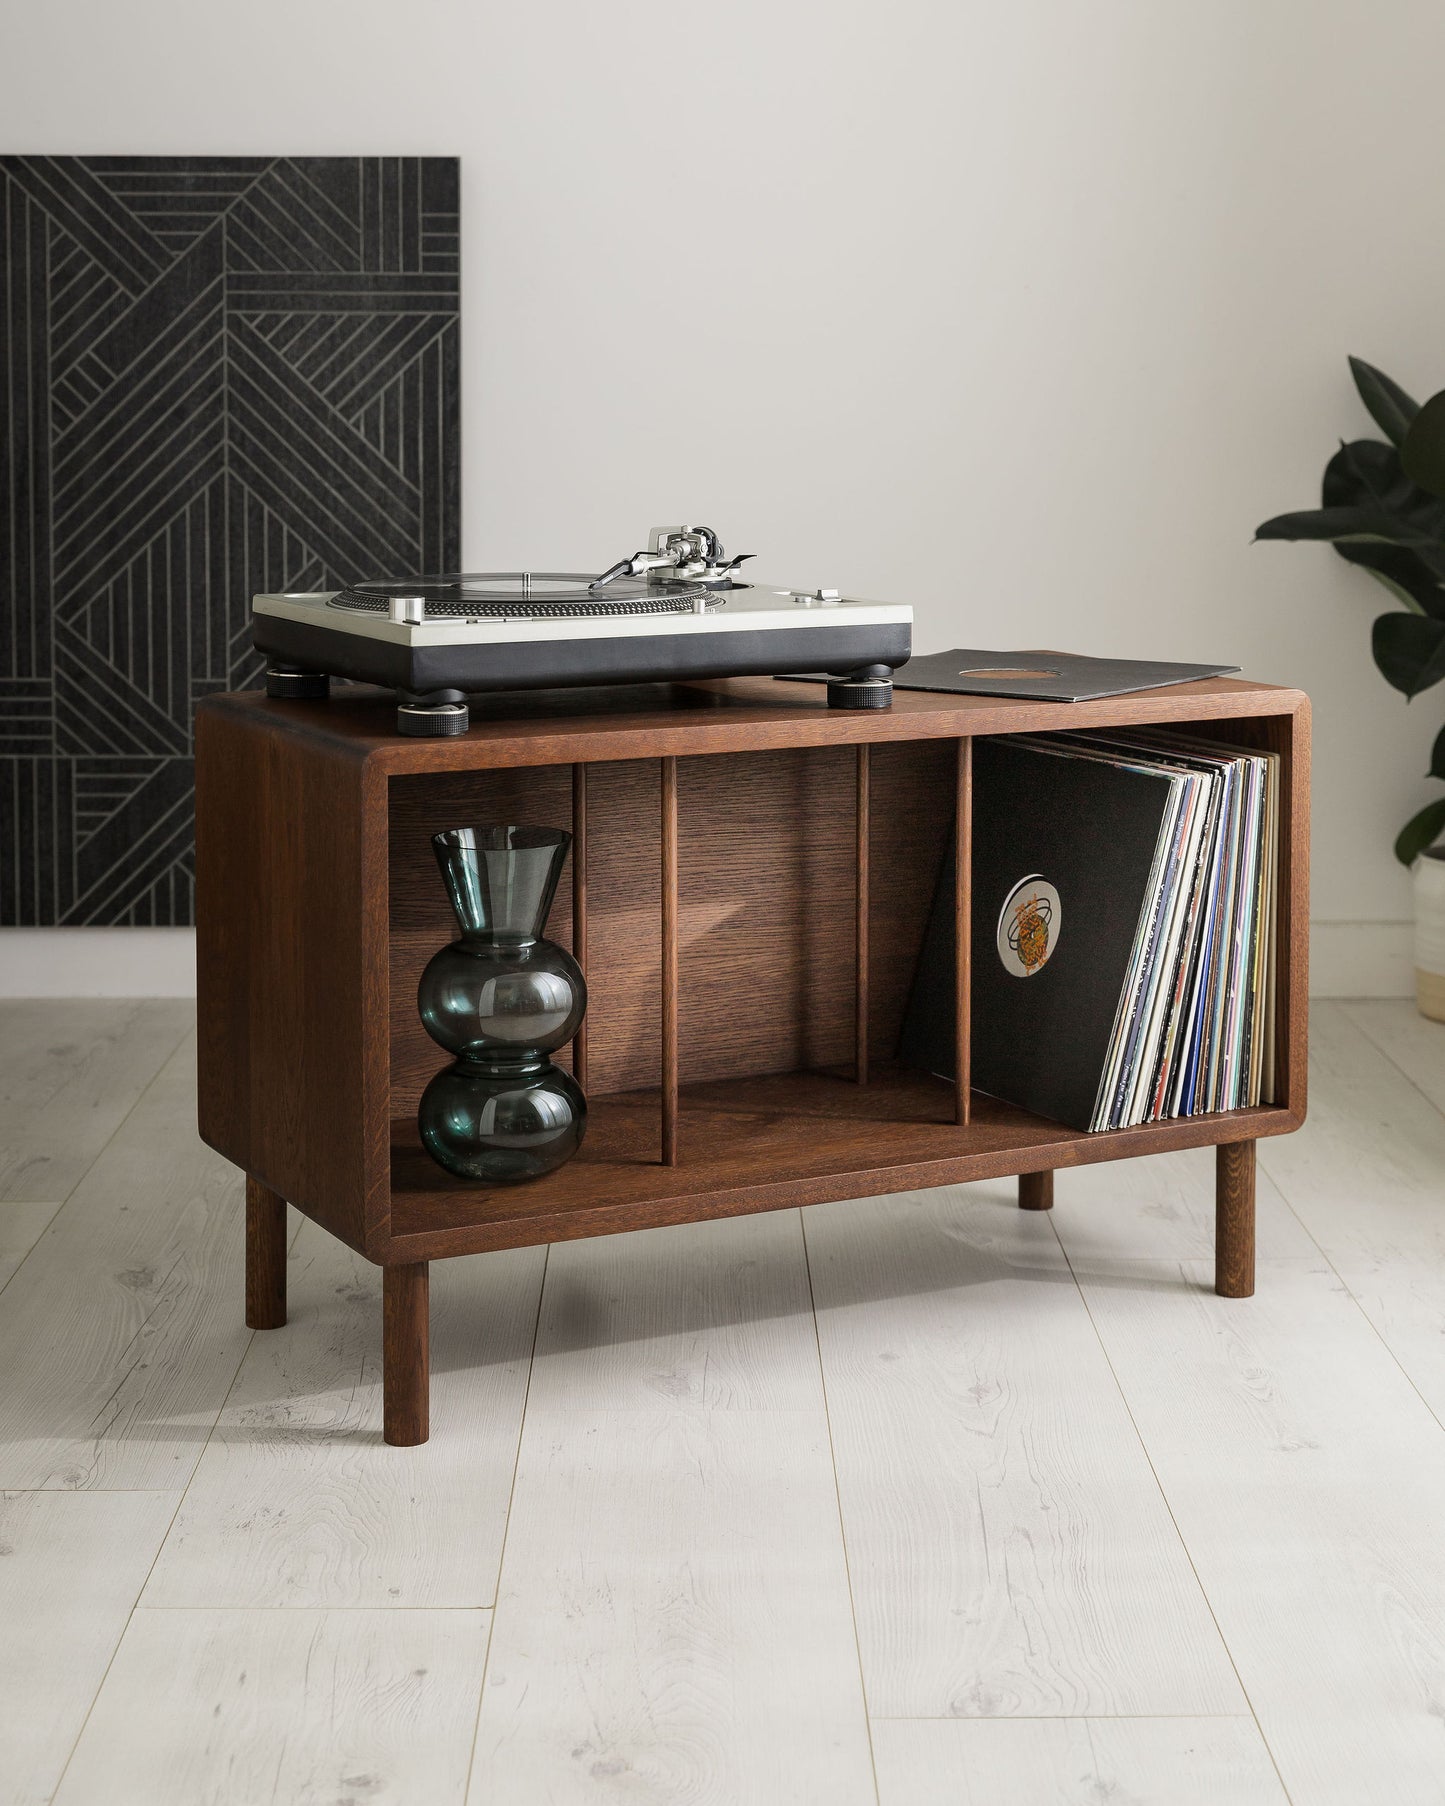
(678, 555)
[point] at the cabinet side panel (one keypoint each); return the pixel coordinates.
(290, 908)
(227, 853)
(1292, 1049)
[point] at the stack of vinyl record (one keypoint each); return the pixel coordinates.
(1124, 898)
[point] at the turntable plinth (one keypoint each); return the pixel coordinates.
(753, 873)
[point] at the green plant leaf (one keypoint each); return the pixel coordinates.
(1403, 571)
(1437, 756)
(1410, 651)
(1390, 407)
(1422, 451)
(1421, 831)
(1356, 555)
(1368, 473)
(1367, 470)
(1344, 523)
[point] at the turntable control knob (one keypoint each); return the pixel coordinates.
(409, 610)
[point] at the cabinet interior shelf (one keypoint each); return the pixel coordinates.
(764, 1143)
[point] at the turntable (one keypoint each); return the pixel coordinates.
(678, 610)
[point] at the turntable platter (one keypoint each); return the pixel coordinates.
(525, 596)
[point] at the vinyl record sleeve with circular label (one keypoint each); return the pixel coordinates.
(1087, 830)
(1028, 926)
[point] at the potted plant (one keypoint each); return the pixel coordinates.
(1383, 508)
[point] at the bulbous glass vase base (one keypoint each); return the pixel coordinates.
(502, 1127)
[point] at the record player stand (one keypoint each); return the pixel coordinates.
(751, 876)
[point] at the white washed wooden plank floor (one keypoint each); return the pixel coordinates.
(911, 1500)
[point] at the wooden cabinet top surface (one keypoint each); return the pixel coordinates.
(740, 714)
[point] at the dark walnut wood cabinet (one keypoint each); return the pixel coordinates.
(750, 879)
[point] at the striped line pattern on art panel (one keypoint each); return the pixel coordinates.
(217, 375)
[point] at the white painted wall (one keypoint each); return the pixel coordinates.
(1025, 314)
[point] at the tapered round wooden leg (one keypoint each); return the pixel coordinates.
(405, 1354)
(1036, 1191)
(1234, 1220)
(265, 1256)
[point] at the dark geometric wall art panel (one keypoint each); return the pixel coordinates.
(217, 375)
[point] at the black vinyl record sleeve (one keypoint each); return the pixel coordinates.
(1042, 676)
(1063, 850)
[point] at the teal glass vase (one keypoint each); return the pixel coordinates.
(502, 999)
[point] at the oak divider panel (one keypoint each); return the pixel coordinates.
(579, 908)
(668, 838)
(862, 831)
(963, 931)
